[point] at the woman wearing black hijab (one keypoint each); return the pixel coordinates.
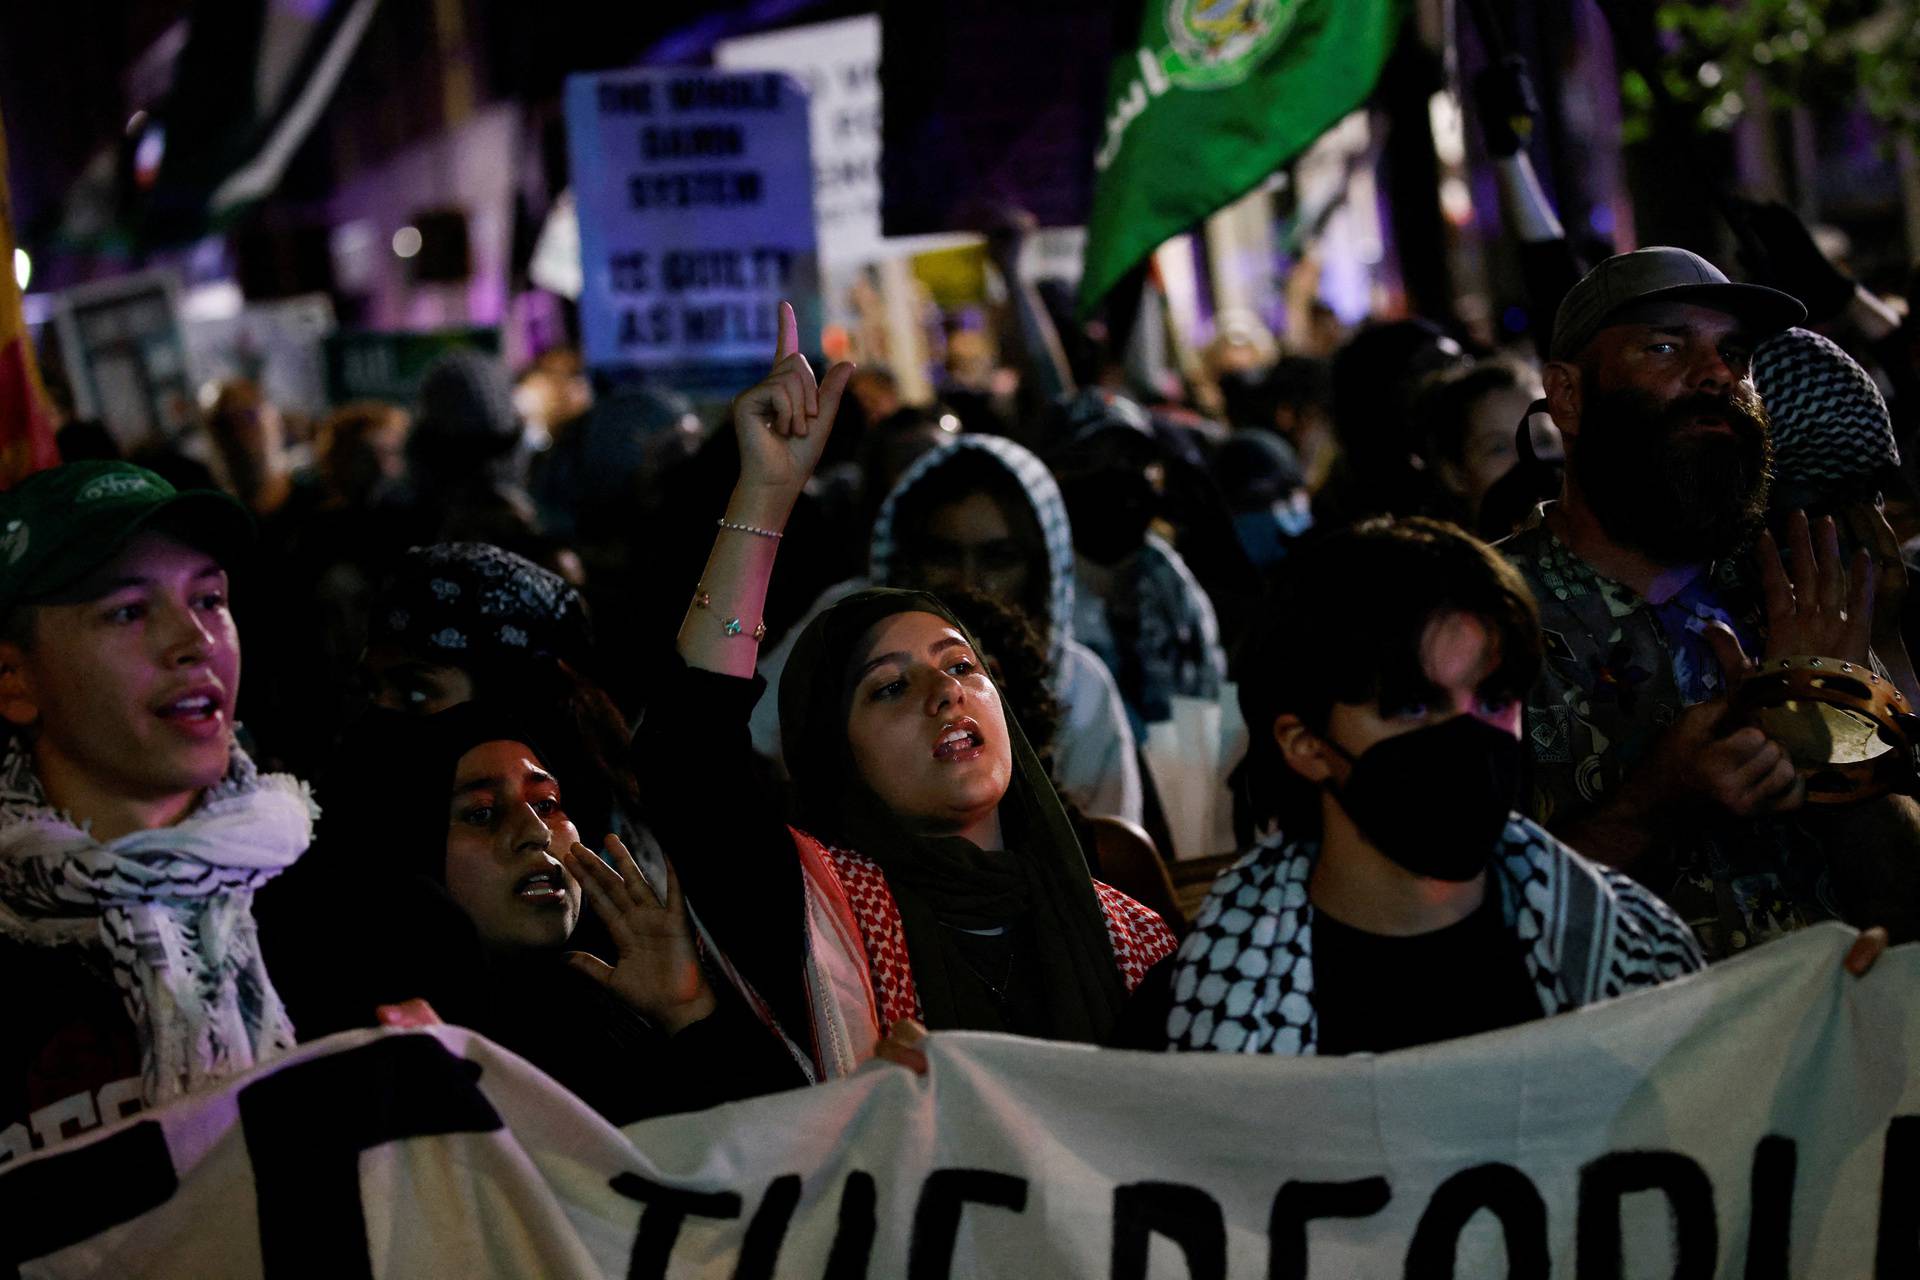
(931, 872)
(460, 864)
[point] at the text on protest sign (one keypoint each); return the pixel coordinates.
(1759, 1120)
(695, 199)
(839, 64)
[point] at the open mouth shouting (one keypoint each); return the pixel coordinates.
(546, 887)
(959, 740)
(199, 711)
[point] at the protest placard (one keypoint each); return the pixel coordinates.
(695, 199)
(838, 63)
(364, 365)
(126, 356)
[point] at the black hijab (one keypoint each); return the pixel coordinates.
(1038, 886)
(385, 830)
(407, 937)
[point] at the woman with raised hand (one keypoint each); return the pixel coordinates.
(471, 888)
(930, 873)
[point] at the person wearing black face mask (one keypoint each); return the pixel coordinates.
(1400, 900)
(1266, 491)
(1138, 603)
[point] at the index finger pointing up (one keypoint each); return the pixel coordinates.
(789, 334)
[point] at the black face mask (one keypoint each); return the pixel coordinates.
(1435, 800)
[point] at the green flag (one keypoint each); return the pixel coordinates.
(1219, 94)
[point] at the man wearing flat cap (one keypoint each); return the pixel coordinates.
(1648, 572)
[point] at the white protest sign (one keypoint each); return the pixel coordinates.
(1758, 1120)
(839, 64)
(127, 356)
(695, 199)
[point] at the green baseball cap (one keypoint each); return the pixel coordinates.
(1662, 272)
(59, 525)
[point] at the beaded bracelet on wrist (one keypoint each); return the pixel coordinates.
(747, 528)
(703, 599)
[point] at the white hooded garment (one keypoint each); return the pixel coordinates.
(1094, 759)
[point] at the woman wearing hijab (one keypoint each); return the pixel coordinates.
(466, 874)
(930, 873)
(458, 622)
(981, 512)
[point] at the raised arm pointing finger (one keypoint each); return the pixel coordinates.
(782, 423)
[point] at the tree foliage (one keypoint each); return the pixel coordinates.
(1822, 54)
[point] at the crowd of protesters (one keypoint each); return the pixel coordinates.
(1447, 642)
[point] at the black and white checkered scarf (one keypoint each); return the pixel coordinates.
(172, 909)
(1830, 422)
(1243, 979)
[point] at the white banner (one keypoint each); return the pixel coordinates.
(1760, 1120)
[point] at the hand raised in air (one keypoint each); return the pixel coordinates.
(782, 421)
(657, 970)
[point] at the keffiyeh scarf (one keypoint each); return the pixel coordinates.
(1243, 981)
(172, 909)
(943, 884)
(1830, 422)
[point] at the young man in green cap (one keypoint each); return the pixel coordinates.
(133, 831)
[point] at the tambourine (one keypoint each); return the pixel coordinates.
(1849, 732)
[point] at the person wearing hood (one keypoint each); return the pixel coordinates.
(1121, 853)
(984, 513)
(492, 907)
(464, 621)
(455, 623)
(1138, 605)
(459, 621)
(931, 874)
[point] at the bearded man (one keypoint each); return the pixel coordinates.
(1645, 572)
